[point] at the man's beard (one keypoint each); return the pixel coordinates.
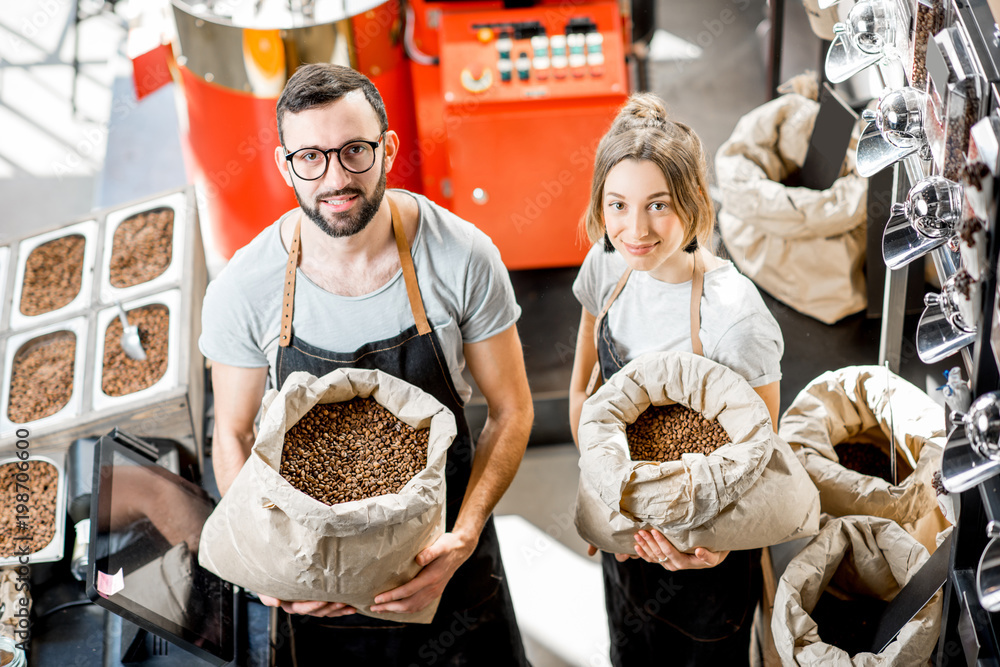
(351, 222)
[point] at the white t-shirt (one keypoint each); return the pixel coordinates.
(465, 288)
(737, 330)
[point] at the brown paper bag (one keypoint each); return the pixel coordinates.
(870, 404)
(858, 555)
(805, 247)
(750, 493)
(271, 538)
(10, 603)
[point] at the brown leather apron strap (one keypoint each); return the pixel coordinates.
(697, 283)
(409, 273)
(288, 301)
(405, 261)
(595, 373)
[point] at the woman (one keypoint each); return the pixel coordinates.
(650, 284)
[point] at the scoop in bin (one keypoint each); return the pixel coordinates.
(130, 340)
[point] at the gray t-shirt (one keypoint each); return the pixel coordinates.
(465, 287)
(649, 315)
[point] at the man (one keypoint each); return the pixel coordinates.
(385, 280)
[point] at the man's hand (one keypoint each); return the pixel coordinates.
(309, 607)
(653, 547)
(439, 561)
(621, 558)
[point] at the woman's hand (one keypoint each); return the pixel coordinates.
(591, 550)
(653, 547)
(310, 608)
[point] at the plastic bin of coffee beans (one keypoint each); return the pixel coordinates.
(53, 275)
(864, 458)
(353, 450)
(35, 504)
(42, 377)
(122, 375)
(664, 432)
(142, 247)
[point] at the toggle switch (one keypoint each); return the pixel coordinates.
(523, 65)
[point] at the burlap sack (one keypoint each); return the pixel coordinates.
(872, 405)
(859, 556)
(750, 493)
(805, 247)
(271, 538)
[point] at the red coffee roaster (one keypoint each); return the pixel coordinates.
(499, 107)
(511, 103)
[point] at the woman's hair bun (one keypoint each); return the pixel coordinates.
(642, 110)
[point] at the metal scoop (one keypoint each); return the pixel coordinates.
(130, 341)
(966, 461)
(988, 572)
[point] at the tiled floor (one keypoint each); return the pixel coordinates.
(56, 166)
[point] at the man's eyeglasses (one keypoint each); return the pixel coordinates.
(357, 157)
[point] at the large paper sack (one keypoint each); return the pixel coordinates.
(869, 404)
(750, 493)
(805, 247)
(271, 538)
(859, 555)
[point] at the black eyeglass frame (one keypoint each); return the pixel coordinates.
(326, 155)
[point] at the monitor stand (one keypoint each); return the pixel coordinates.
(125, 643)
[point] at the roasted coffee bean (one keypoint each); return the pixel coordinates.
(865, 459)
(930, 17)
(963, 282)
(957, 141)
(36, 490)
(974, 173)
(41, 382)
(664, 432)
(968, 228)
(938, 484)
(53, 274)
(352, 450)
(123, 375)
(142, 247)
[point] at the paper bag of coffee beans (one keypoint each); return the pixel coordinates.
(832, 594)
(843, 426)
(344, 486)
(747, 493)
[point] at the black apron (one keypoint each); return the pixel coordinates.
(474, 624)
(689, 617)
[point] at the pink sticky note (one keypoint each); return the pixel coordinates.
(109, 584)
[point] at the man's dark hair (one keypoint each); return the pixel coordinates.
(322, 83)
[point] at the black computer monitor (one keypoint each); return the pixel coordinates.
(145, 527)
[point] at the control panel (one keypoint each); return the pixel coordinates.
(533, 53)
